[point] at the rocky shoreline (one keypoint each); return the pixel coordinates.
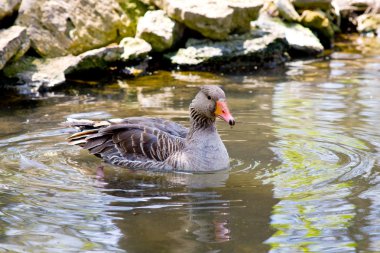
(44, 43)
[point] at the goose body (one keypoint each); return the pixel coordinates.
(158, 144)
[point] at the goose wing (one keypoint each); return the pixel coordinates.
(130, 141)
(166, 126)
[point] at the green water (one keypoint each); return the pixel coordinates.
(304, 177)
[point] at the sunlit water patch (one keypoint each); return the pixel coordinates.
(325, 161)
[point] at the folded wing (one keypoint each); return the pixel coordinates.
(149, 140)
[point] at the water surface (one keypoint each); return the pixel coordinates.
(304, 175)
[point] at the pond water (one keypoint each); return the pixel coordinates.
(304, 171)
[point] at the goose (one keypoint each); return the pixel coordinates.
(161, 145)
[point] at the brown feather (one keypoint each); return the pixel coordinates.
(108, 144)
(92, 142)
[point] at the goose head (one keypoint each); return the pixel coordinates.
(209, 104)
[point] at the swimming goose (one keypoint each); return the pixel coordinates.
(158, 144)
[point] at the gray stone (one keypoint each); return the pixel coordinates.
(244, 11)
(238, 52)
(287, 10)
(40, 73)
(14, 42)
(300, 38)
(100, 58)
(134, 48)
(8, 7)
(51, 72)
(59, 28)
(213, 19)
(159, 30)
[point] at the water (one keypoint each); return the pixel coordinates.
(304, 177)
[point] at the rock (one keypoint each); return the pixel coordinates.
(312, 4)
(318, 21)
(14, 42)
(8, 7)
(237, 53)
(51, 72)
(159, 30)
(213, 19)
(287, 10)
(300, 39)
(40, 73)
(368, 23)
(244, 11)
(101, 58)
(134, 48)
(59, 28)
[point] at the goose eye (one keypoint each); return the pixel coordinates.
(209, 98)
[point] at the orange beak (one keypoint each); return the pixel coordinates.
(223, 112)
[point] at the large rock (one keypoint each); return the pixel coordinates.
(134, 48)
(237, 53)
(301, 39)
(287, 10)
(213, 19)
(59, 28)
(129, 49)
(100, 58)
(40, 73)
(159, 30)
(244, 11)
(51, 72)
(14, 42)
(8, 7)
